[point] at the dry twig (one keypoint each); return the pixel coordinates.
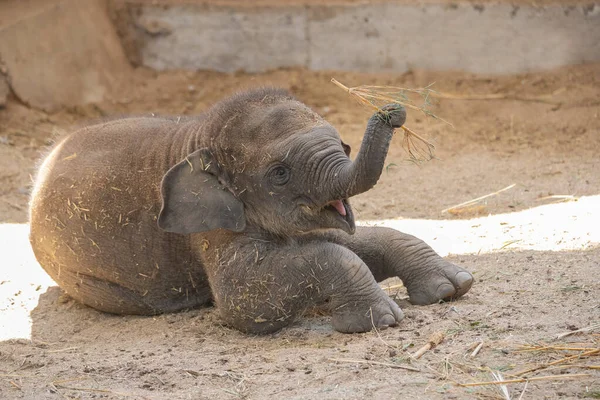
(477, 349)
(15, 384)
(434, 340)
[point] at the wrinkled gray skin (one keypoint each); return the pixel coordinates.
(242, 206)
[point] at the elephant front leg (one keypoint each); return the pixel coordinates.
(427, 277)
(268, 288)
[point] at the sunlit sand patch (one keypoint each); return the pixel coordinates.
(22, 281)
(573, 225)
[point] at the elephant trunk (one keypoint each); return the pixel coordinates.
(362, 174)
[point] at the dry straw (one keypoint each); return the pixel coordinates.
(434, 340)
(418, 148)
(469, 203)
(524, 376)
(521, 380)
(369, 362)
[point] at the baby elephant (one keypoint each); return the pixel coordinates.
(245, 206)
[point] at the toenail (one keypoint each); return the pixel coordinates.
(445, 291)
(464, 279)
(386, 321)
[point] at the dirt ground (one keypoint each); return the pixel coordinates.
(287, 3)
(543, 136)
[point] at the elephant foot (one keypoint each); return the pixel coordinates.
(442, 282)
(362, 316)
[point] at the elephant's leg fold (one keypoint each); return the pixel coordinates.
(390, 253)
(270, 286)
(119, 298)
(106, 296)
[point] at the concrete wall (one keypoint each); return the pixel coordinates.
(491, 38)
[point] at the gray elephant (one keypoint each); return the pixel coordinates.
(245, 206)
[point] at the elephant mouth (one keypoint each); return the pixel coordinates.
(342, 211)
(339, 206)
(335, 214)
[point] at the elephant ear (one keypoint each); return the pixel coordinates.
(347, 148)
(193, 199)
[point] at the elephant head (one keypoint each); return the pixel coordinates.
(263, 160)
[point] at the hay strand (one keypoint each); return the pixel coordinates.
(497, 375)
(527, 348)
(500, 96)
(582, 330)
(474, 201)
(93, 390)
(369, 362)
(418, 148)
(557, 362)
(521, 380)
(61, 350)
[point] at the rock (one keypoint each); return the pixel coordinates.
(61, 52)
(4, 91)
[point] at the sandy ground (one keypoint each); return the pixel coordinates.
(536, 261)
(300, 3)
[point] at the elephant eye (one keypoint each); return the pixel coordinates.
(280, 175)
